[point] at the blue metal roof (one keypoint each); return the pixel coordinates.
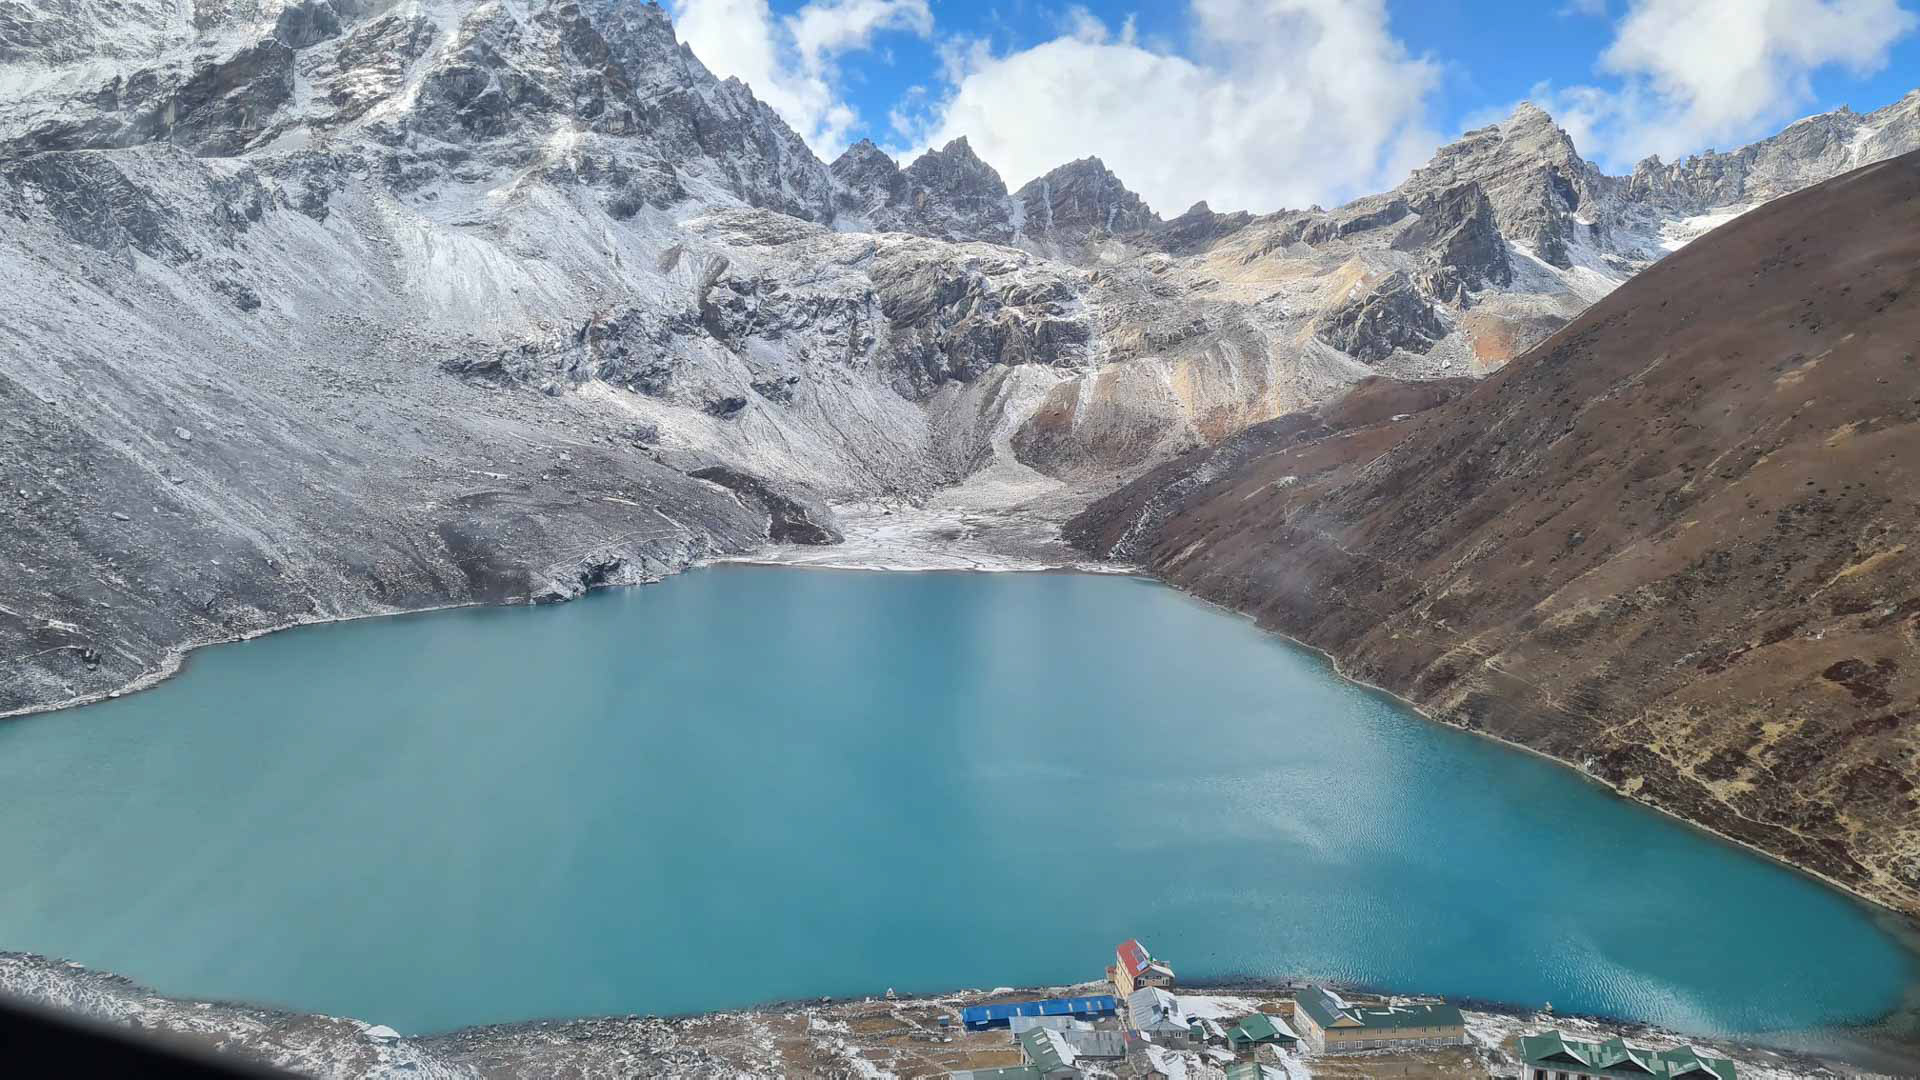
(982, 1016)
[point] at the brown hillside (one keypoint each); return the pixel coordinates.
(1678, 543)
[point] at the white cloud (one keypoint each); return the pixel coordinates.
(1078, 21)
(792, 62)
(826, 28)
(1591, 8)
(1701, 73)
(1278, 103)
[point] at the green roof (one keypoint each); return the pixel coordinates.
(1318, 1004)
(1042, 1052)
(1258, 1028)
(1009, 1072)
(1617, 1057)
(1328, 1009)
(1247, 1070)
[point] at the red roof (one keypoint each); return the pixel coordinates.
(1133, 957)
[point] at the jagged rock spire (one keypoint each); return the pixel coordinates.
(1079, 199)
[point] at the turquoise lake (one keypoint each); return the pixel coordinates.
(747, 784)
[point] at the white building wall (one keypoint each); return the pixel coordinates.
(1310, 1032)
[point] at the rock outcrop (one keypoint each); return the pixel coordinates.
(1673, 545)
(1197, 229)
(870, 190)
(1461, 238)
(1382, 317)
(959, 197)
(1072, 209)
(1531, 174)
(793, 516)
(946, 194)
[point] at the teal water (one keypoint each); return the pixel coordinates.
(747, 784)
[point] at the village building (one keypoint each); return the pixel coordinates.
(1207, 1030)
(1554, 1055)
(1094, 1007)
(1018, 1024)
(1096, 1045)
(1274, 1054)
(1330, 1025)
(1260, 1029)
(1146, 1061)
(1049, 1054)
(1134, 968)
(1251, 1070)
(1156, 1014)
(1006, 1072)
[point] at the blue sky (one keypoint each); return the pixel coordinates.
(1268, 103)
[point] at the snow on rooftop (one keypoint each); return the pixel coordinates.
(1060, 1045)
(1216, 1007)
(1168, 1062)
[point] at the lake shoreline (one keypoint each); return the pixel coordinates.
(1900, 1021)
(175, 659)
(327, 1045)
(1908, 922)
(1022, 546)
(893, 539)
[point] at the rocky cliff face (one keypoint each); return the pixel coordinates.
(947, 194)
(1072, 209)
(870, 189)
(595, 94)
(1673, 545)
(1562, 210)
(460, 301)
(1534, 180)
(1806, 152)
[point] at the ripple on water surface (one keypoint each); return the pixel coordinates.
(747, 784)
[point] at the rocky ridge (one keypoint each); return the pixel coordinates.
(1671, 546)
(947, 194)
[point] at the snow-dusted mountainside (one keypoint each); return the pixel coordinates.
(334, 307)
